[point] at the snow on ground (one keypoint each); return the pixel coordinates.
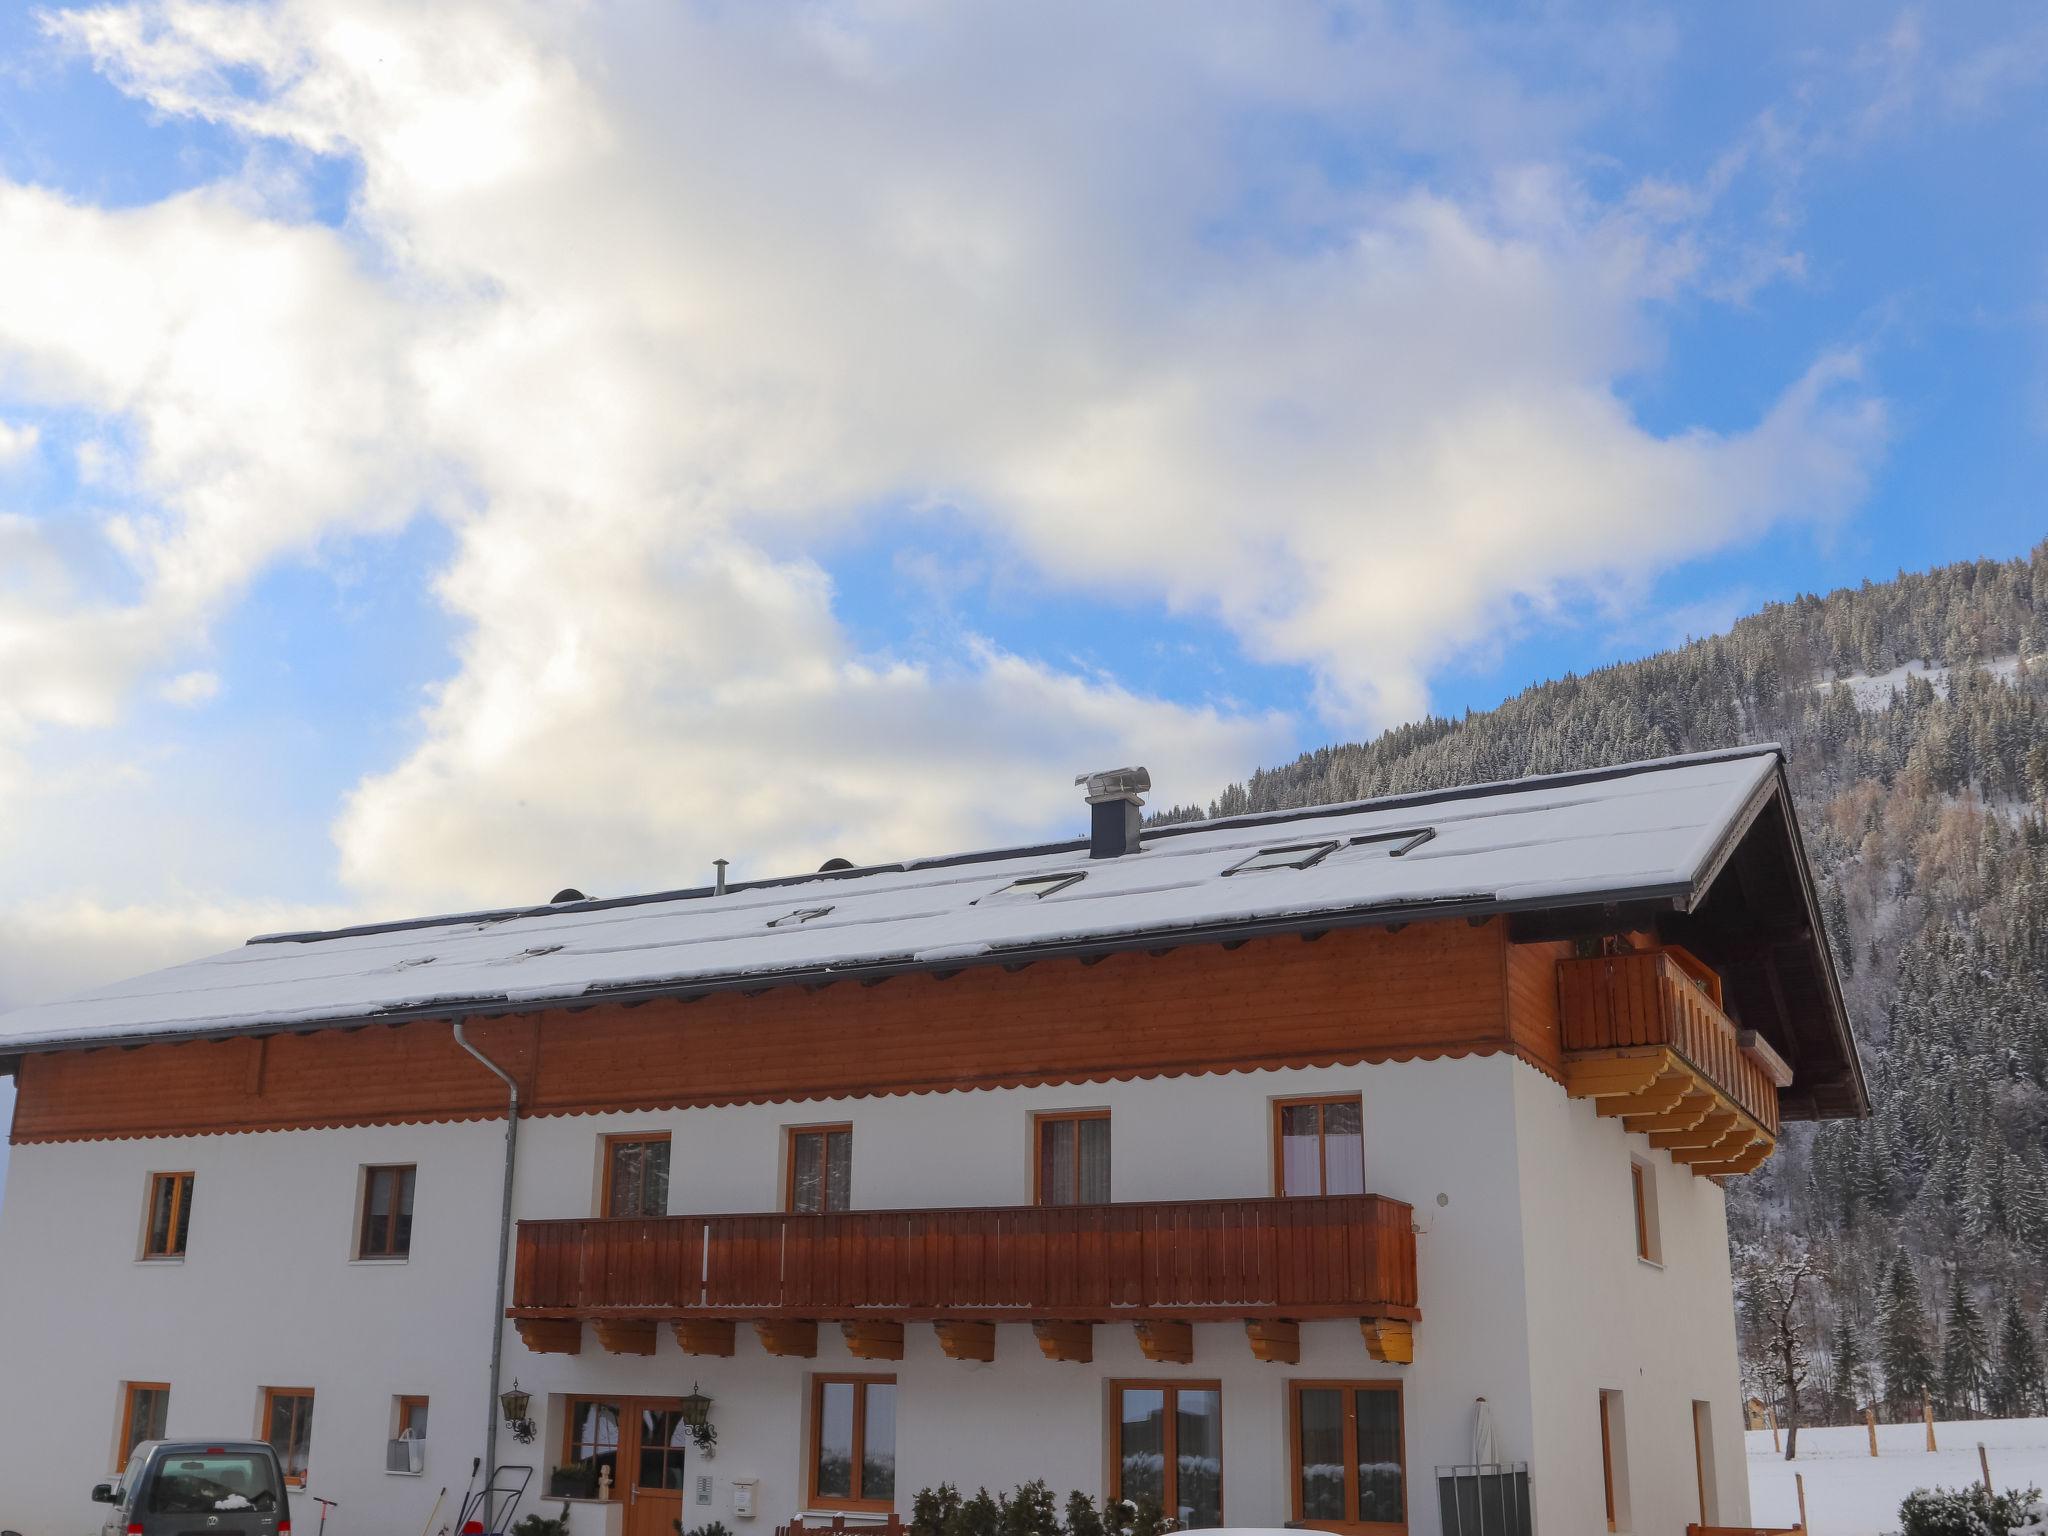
(1874, 692)
(1850, 1494)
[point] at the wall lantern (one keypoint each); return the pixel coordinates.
(696, 1407)
(696, 1410)
(514, 1404)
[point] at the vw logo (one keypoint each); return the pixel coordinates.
(213, 1519)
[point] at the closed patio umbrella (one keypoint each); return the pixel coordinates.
(1485, 1448)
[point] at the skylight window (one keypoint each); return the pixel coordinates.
(1396, 843)
(1292, 856)
(533, 952)
(797, 918)
(1035, 887)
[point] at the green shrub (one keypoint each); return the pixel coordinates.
(537, 1524)
(1964, 1511)
(1082, 1520)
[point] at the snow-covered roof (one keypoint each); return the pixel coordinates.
(1648, 831)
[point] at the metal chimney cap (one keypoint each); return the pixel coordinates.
(1115, 784)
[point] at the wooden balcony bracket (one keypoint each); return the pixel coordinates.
(1274, 1340)
(795, 1337)
(705, 1336)
(1660, 1096)
(551, 1335)
(624, 1336)
(1389, 1339)
(1065, 1341)
(1683, 1116)
(966, 1341)
(873, 1340)
(1167, 1343)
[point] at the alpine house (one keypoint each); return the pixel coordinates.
(1228, 1165)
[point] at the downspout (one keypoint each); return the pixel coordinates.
(504, 1246)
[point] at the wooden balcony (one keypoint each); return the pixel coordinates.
(1645, 1036)
(1160, 1266)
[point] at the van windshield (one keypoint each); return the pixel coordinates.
(212, 1482)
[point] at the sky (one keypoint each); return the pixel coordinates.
(452, 452)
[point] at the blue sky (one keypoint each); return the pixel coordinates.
(451, 452)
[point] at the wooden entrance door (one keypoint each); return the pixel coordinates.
(652, 1465)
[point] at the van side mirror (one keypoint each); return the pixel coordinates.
(102, 1493)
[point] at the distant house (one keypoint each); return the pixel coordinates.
(1222, 1164)
(1759, 1415)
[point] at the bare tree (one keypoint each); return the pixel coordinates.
(1773, 1287)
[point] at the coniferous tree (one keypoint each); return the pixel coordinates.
(1965, 1355)
(2018, 1386)
(1902, 1341)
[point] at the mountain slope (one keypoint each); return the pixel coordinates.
(1915, 713)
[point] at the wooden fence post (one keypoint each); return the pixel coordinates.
(1927, 1416)
(1799, 1482)
(1870, 1423)
(1984, 1461)
(1771, 1418)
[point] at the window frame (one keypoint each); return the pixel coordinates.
(1351, 1522)
(605, 1151)
(363, 1253)
(1648, 1229)
(860, 1381)
(182, 1185)
(791, 1135)
(1040, 1119)
(305, 1424)
(129, 1439)
(407, 1402)
(1170, 1429)
(570, 1442)
(1320, 1100)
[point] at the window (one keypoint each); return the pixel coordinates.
(1321, 1146)
(194, 1483)
(591, 1449)
(636, 1175)
(1642, 1180)
(170, 1216)
(1293, 856)
(407, 1450)
(853, 1442)
(1034, 887)
(820, 1167)
(143, 1407)
(664, 1441)
(1349, 1465)
(386, 1228)
(1614, 1461)
(1072, 1158)
(1394, 844)
(288, 1426)
(1168, 1448)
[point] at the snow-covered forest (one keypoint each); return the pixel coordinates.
(1915, 712)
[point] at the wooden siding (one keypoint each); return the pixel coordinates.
(1351, 996)
(1612, 1002)
(1331, 1256)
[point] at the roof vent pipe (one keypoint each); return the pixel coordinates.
(1113, 800)
(718, 884)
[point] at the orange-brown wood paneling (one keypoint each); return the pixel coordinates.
(1358, 995)
(1533, 1021)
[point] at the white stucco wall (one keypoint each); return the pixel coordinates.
(268, 1296)
(1601, 1319)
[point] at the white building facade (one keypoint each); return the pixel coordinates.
(1270, 1218)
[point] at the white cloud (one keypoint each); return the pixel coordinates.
(666, 291)
(191, 688)
(17, 442)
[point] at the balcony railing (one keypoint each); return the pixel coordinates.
(1336, 1256)
(1612, 1002)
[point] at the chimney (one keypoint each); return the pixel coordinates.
(1113, 816)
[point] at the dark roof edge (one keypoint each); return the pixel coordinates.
(1838, 1007)
(1028, 850)
(1475, 905)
